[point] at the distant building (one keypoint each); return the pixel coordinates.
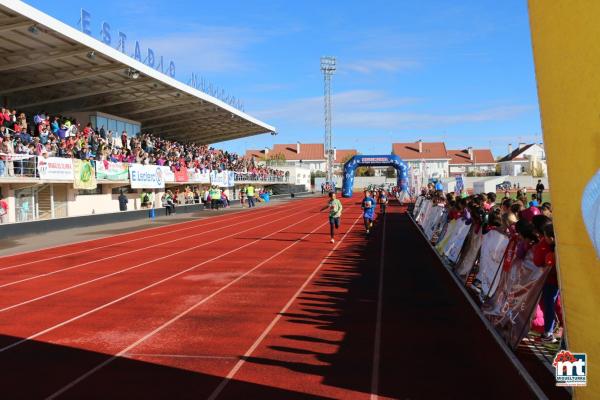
(471, 162)
(426, 159)
(311, 155)
(527, 159)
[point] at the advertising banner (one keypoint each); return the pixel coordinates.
(167, 174)
(446, 236)
(418, 204)
(181, 175)
(84, 175)
(469, 254)
(198, 176)
(146, 176)
(564, 36)
(222, 178)
(435, 214)
(112, 171)
(493, 247)
(55, 168)
(15, 157)
(511, 306)
(455, 244)
(460, 185)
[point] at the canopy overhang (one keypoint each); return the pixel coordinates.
(46, 65)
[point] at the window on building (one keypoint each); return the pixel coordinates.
(84, 192)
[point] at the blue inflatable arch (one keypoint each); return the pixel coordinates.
(374, 161)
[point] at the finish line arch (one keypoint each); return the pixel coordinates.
(375, 161)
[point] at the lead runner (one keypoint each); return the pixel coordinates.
(368, 206)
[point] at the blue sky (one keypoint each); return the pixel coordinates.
(459, 71)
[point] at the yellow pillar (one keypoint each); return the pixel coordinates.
(566, 47)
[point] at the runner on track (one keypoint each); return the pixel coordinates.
(368, 206)
(335, 213)
(383, 201)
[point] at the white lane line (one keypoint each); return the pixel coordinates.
(57, 271)
(45, 296)
(377, 339)
(195, 225)
(191, 356)
(131, 294)
(182, 314)
(270, 327)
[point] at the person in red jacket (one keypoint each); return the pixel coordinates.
(544, 257)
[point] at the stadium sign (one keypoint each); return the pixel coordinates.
(150, 59)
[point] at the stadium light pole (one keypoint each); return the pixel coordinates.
(328, 69)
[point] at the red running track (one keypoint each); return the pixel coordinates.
(249, 305)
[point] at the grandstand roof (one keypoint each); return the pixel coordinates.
(50, 66)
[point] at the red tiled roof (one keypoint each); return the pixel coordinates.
(308, 151)
(410, 151)
(480, 156)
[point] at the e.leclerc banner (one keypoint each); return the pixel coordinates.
(146, 176)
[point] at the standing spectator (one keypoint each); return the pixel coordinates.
(123, 202)
(145, 199)
(250, 194)
(539, 190)
(3, 210)
(124, 139)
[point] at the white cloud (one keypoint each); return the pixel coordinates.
(207, 49)
(376, 110)
(379, 65)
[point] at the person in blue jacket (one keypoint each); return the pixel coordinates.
(368, 206)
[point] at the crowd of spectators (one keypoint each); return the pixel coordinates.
(528, 224)
(57, 136)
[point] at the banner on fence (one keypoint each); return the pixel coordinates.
(493, 247)
(468, 256)
(222, 178)
(146, 176)
(198, 176)
(511, 307)
(84, 175)
(15, 157)
(436, 213)
(55, 168)
(460, 185)
(167, 173)
(447, 235)
(112, 171)
(455, 243)
(181, 175)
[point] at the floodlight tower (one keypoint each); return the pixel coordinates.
(328, 69)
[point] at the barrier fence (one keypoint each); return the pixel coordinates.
(507, 288)
(85, 174)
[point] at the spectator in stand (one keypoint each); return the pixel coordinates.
(3, 210)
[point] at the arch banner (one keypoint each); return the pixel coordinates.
(375, 161)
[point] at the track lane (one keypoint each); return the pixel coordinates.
(35, 270)
(11, 261)
(34, 290)
(68, 305)
(218, 332)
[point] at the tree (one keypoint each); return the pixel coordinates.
(390, 172)
(365, 171)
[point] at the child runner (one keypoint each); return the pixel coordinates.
(383, 201)
(368, 206)
(335, 213)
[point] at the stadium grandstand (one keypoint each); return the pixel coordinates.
(81, 122)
